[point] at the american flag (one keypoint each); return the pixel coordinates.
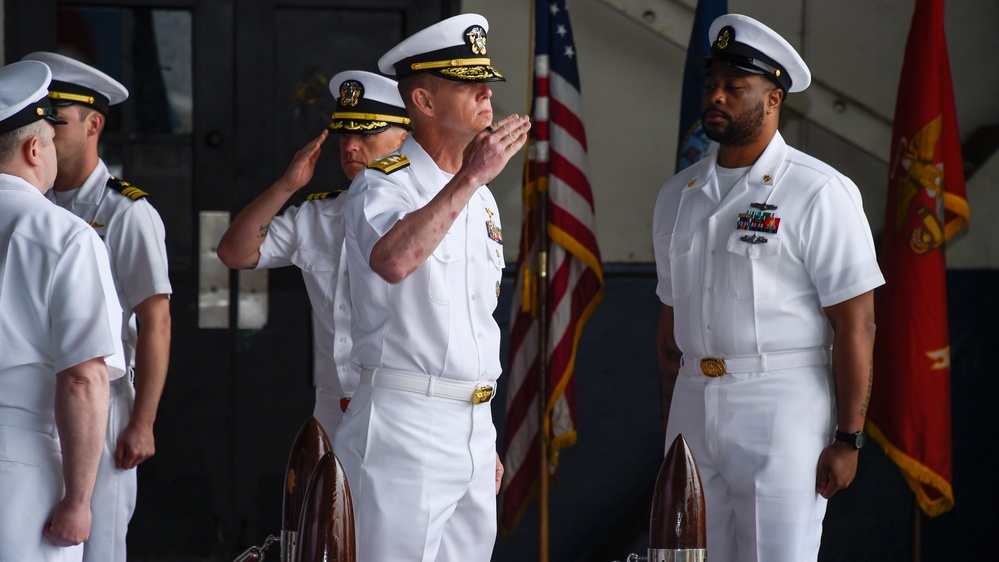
(557, 165)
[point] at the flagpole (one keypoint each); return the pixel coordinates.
(540, 285)
(542, 291)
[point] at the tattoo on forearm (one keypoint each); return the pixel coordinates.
(867, 399)
(263, 230)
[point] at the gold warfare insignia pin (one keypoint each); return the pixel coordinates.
(351, 92)
(476, 39)
(691, 182)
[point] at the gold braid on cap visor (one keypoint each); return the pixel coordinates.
(446, 63)
(371, 117)
(371, 121)
(89, 100)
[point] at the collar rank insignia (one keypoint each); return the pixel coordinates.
(763, 206)
(495, 233)
(754, 239)
(126, 189)
(758, 221)
(389, 164)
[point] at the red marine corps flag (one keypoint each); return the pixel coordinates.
(910, 402)
(559, 276)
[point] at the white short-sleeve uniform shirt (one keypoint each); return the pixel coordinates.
(58, 309)
(311, 237)
(134, 236)
(439, 320)
(749, 271)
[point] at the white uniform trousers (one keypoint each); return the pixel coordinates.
(421, 471)
(329, 412)
(114, 494)
(756, 438)
(31, 484)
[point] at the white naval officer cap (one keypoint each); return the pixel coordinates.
(366, 104)
(75, 82)
(454, 49)
(747, 44)
(24, 95)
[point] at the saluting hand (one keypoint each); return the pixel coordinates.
(303, 164)
(486, 156)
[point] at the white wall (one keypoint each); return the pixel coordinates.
(631, 78)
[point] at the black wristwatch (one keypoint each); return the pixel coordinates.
(855, 440)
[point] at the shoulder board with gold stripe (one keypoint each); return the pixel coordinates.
(390, 164)
(323, 195)
(126, 189)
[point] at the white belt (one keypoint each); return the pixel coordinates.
(476, 392)
(718, 366)
(13, 417)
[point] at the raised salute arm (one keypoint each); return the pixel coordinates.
(411, 240)
(240, 245)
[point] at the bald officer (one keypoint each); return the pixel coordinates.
(424, 248)
(134, 236)
(370, 121)
(766, 273)
(59, 326)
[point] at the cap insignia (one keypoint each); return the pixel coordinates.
(476, 39)
(351, 92)
(727, 34)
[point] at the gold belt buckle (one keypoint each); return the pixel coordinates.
(712, 367)
(482, 394)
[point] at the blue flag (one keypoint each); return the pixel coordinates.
(693, 143)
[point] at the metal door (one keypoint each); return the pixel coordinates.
(222, 94)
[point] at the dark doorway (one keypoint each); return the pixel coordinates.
(222, 94)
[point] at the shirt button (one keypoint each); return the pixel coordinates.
(708, 326)
(752, 252)
(474, 297)
(711, 289)
(447, 256)
(343, 340)
(713, 252)
(479, 335)
(342, 307)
